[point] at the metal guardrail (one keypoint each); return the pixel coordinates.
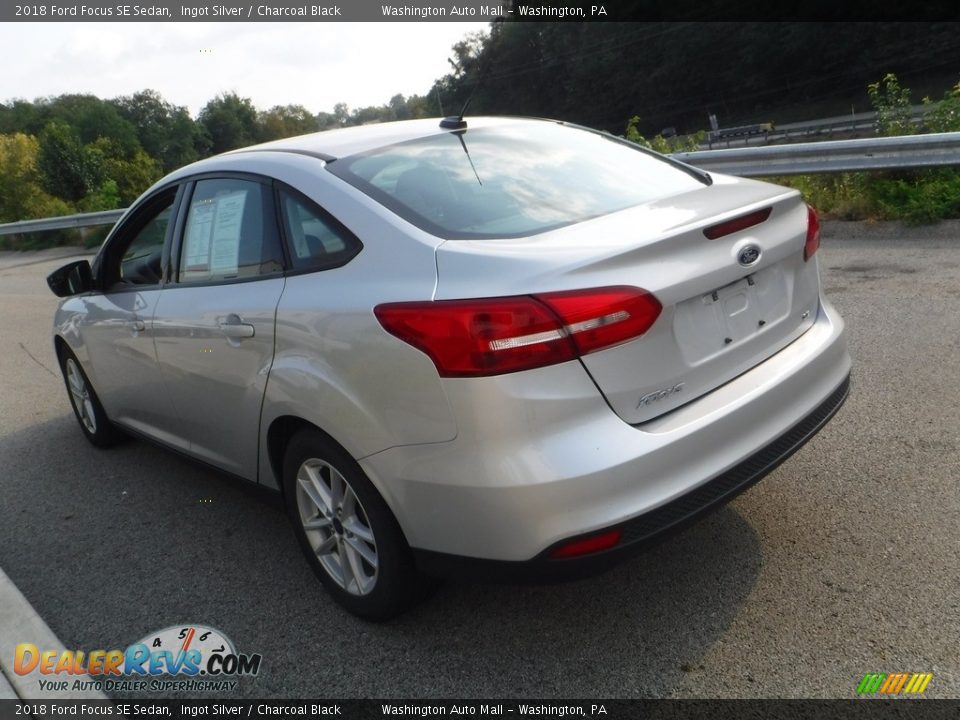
(863, 123)
(65, 222)
(884, 153)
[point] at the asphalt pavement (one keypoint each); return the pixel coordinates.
(844, 561)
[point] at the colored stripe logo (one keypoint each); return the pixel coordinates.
(894, 683)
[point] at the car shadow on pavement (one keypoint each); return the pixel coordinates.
(111, 545)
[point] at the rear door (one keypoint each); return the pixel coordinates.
(214, 323)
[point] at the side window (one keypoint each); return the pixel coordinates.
(134, 258)
(315, 239)
(230, 232)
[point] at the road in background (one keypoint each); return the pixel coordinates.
(843, 561)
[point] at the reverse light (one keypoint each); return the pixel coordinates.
(493, 336)
(728, 227)
(813, 233)
(587, 545)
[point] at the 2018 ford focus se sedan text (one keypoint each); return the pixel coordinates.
(495, 345)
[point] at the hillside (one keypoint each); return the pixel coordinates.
(675, 74)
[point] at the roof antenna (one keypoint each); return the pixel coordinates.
(463, 110)
(463, 143)
(458, 123)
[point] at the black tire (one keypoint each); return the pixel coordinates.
(373, 592)
(86, 405)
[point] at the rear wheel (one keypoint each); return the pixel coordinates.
(86, 405)
(346, 530)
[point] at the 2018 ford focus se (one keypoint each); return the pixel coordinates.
(496, 345)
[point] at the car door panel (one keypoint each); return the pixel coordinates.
(116, 324)
(123, 367)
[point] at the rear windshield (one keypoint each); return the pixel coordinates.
(510, 180)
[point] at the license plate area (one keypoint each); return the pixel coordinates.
(728, 317)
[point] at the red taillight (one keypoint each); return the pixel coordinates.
(728, 227)
(470, 338)
(492, 336)
(813, 233)
(597, 319)
(587, 545)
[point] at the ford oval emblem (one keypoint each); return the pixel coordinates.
(748, 255)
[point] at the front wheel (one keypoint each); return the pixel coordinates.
(346, 530)
(86, 405)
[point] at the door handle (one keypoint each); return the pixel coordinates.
(234, 327)
(136, 325)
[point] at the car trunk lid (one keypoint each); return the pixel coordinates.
(728, 302)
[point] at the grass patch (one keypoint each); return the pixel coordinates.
(919, 197)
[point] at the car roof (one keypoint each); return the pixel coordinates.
(342, 142)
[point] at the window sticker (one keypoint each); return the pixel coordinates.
(212, 238)
(197, 241)
(225, 240)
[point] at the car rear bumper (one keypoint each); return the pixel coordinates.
(649, 528)
(541, 459)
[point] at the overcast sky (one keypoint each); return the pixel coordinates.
(312, 64)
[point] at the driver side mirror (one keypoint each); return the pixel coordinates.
(72, 279)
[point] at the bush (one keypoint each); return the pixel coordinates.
(914, 196)
(925, 197)
(920, 197)
(943, 116)
(892, 105)
(842, 196)
(660, 144)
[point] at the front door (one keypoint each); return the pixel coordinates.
(117, 325)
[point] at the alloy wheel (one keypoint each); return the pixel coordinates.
(337, 527)
(80, 396)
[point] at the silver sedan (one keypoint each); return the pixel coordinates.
(493, 346)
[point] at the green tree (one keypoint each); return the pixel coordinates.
(282, 121)
(370, 114)
(326, 121)
(21, 196)
(341, 114)
(399, 108)
(105, 197)
(166, 131)
(20, 116)
(91, 118)
(131, 174)
(67, 168)
(418, 106)
(230, 121)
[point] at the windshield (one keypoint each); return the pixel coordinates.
(510, 180)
